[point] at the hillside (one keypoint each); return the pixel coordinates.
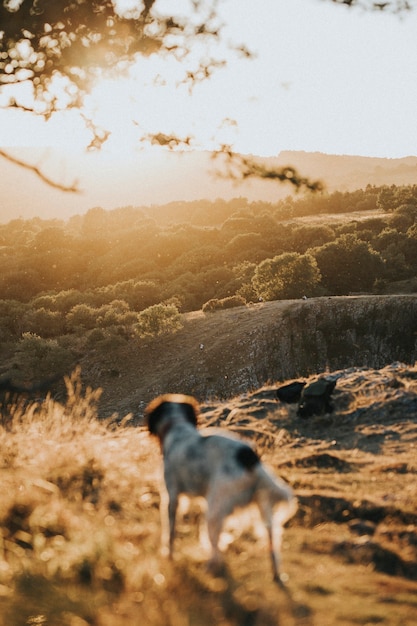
(79, 515)
(80, 525)
(79, 518)
(227, 353)
(346, 173)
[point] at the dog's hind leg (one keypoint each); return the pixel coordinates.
(274, 530)
(217, 511)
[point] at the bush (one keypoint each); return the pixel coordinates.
(83, 317)
(11, 317)
(40, 358)
(157, 320)
(216, 304)
(348, 264)
(139, 294)
(63, 301)
(289, 275)
(44, 322)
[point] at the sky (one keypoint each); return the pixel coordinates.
(325, 78)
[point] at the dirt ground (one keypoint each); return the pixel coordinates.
(231, 352)
(350, 553)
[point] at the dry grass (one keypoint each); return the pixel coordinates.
(79, 528)
(79, 520)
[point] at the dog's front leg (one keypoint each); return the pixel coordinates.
(214, 527)
(169, 505)
(172, 514)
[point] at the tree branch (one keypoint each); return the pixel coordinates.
(73, 188)
(241, 167)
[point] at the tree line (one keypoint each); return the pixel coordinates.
(108, 275)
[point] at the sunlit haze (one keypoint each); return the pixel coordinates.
(324, 78)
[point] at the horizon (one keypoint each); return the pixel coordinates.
(326, 80)
(187, 177)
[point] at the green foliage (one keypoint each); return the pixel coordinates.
(83, 317)
(12, 313)
(63, 301)
(246, 247)
(390, 198)
(216, 304)
(44, 357)
(404, 216)
(138, 294)
(305, 237)
(44, 322)
(289, 275)
(158, 319)
(347, 265)
(65, 278)
(19, 284)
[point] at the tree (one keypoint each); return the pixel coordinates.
(46, 357)
(396, 6)
(58, 49)
(289, 275)
(348, 264)
(158, 319)
(62, 47)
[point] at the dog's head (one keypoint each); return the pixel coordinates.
(161, 413)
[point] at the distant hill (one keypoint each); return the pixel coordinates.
(156, 177)
(347, 173)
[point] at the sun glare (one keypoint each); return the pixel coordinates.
(153, 99)
(130, 9)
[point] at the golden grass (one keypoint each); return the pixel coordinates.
(80, 529)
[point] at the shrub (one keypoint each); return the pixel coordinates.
(62, 301)
(41, 358)
(348, 264)
(158, 319)
(83, 317)
(289, 275)
(11, 316)
(216, 304)
(44, 322)
(139, 294)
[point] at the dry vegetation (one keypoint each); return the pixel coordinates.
(79, 520)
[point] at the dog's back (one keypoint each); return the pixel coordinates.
(193, 461)
(197, 464)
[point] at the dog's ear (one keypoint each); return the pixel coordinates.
(191, 409)
(154, 412)
(159, 408)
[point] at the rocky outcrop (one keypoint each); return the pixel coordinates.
(302, 338)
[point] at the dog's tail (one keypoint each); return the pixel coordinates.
(278, 493)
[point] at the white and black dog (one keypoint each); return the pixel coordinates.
(223, 469)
